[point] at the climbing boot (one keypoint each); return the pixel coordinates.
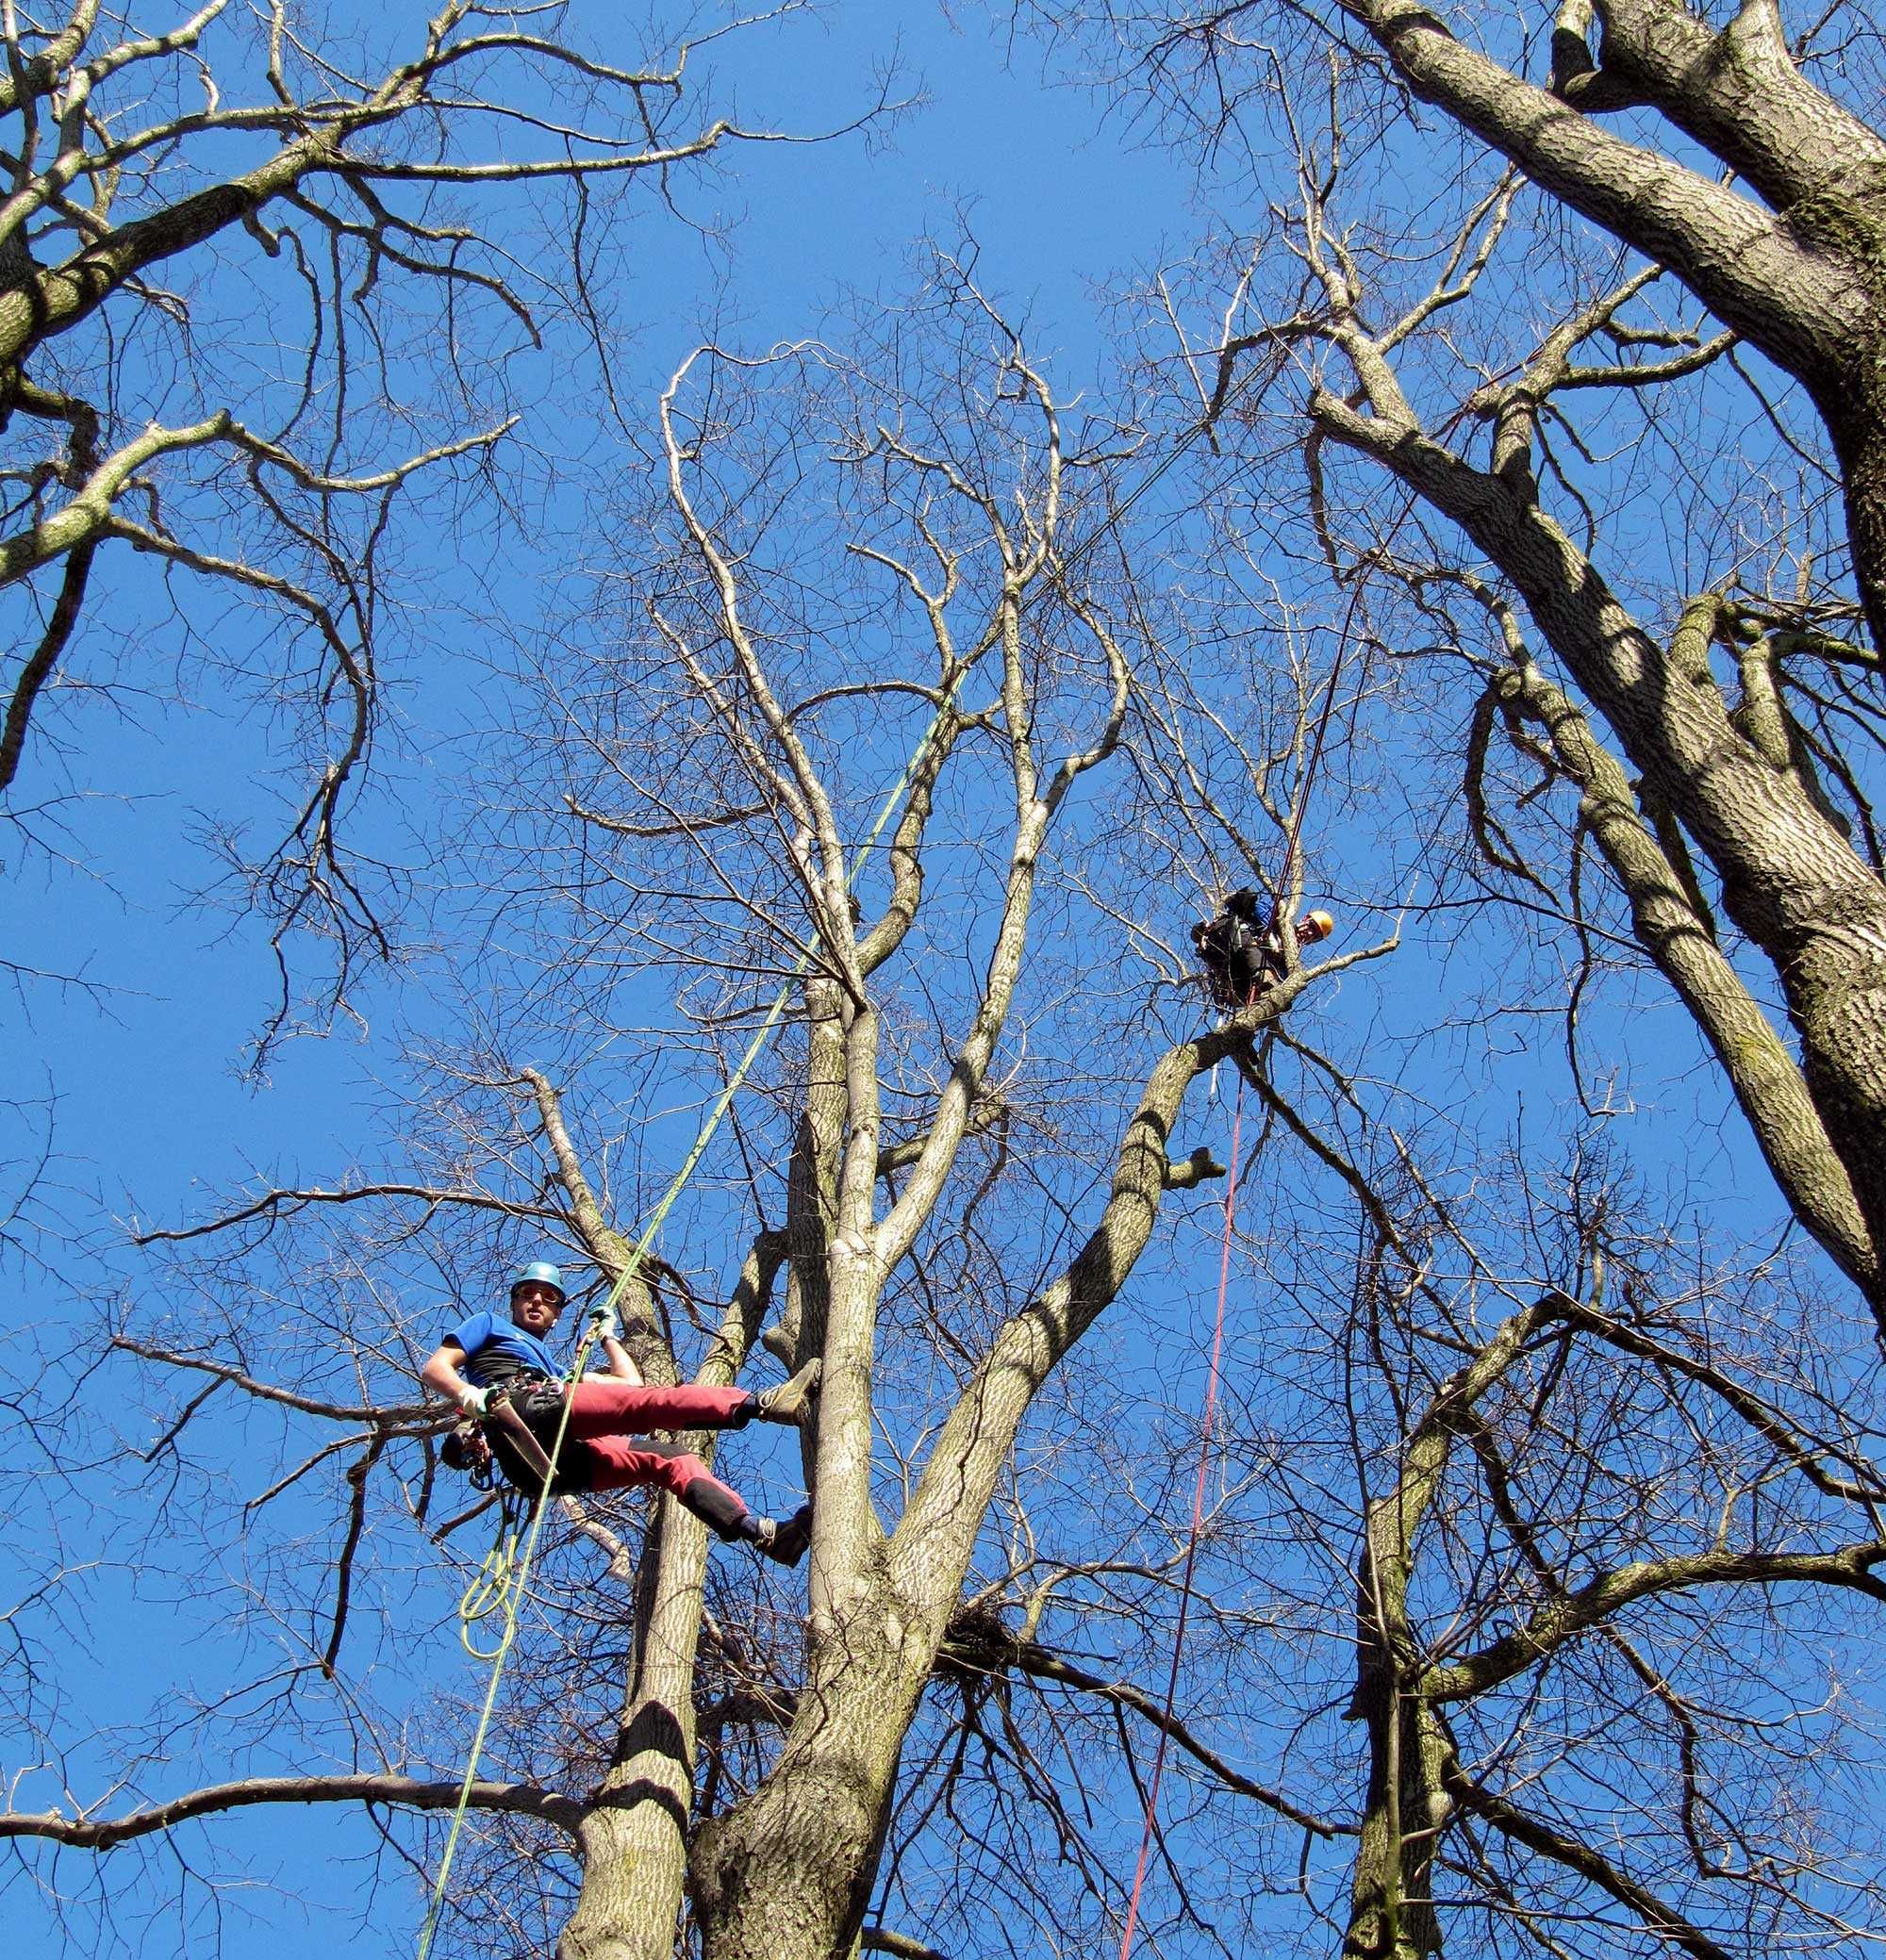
(791, 1399)
(785, 1543)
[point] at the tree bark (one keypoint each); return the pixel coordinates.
(787, 1873)
(634, 1836)
(1738, 92)
(1391, 1898)
(1791, 881)
(1801, 281)
(1392, 1890)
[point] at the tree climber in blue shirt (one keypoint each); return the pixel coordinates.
(500, 1373)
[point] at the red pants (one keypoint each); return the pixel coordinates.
(604, 1415)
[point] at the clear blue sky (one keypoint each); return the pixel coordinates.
(150, 1100)
(143, 1081)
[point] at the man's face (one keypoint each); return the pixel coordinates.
(534, 1305)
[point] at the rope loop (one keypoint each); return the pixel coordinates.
(491, 1587)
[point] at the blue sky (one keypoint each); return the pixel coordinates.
(150, 1100)
(144, 1080)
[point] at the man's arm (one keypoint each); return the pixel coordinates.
(609, 1333)
(621, 1367)
(441, 1375)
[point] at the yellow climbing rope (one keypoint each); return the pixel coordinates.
(509, 1579)
(501, 1580)
(490, 1589)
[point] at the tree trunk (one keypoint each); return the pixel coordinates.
(1391, 1896)
(787, 1873)
(633, 1840)
(633, 1837)
(1392, 1892)
(1857, 421)
(1790, 880)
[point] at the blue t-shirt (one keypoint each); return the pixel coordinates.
(497, 1349)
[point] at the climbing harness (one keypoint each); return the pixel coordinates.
(500, 1410)
(1238, 956)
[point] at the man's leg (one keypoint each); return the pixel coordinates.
(600, 1408)
(615, 1464)
(610, 1408)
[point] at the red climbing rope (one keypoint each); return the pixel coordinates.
(1280, 899)
(1198, 1526)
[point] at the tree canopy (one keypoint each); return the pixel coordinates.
(1459, 513)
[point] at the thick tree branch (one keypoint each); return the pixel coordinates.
(1537, 1836)
(1801, 308)
(103, 1834)
(83, 520)
(45, 657)
(1791, 881)
(416, 1418)
(1564, 1619)
(1770, 1088)
(881, 1939)
(959, 1476)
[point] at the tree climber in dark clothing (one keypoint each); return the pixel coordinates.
(1240, 948)
(504, 1377)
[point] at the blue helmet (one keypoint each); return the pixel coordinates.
(539, 1271)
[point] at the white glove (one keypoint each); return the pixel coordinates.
(474, 1400)
(604, 1323)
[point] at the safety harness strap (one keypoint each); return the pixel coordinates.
(523, 1438)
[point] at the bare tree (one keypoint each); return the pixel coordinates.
(887, 569)
(1775, 262)
(1550, 1476)
(260, 287)
(1605, 1517)
(1569, 428)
